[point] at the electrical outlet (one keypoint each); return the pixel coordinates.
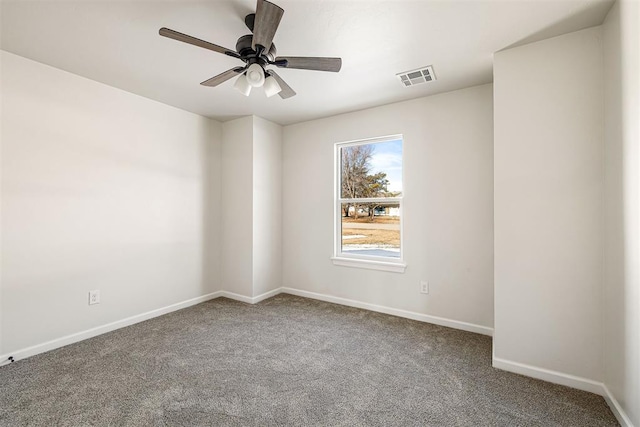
(94, 297)
(424, 287)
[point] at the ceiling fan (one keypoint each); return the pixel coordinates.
(257, 51)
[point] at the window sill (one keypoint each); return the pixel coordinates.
(394, 267)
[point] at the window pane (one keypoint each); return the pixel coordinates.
(371, 229)
(371, 170)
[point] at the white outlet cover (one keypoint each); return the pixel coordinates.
(424, 287)
(94, 297)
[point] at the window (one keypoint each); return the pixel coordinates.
(368, 219)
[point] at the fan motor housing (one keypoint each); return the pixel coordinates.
(243, 47)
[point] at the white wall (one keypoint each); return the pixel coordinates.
(548, 204)
(448, 206)
(621, 31)
(1, 134)
(251, 206)
(267, 206)
(237, 206)
(101, 189)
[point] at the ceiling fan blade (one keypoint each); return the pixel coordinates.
(309, 63)
(223, 77)
(266, 22)
(286, 91)
(166, 32)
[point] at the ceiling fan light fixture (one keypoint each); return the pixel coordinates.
(255, 75)
(242, 85)
(257, 51)
(271, 87)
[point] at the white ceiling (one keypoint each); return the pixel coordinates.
(117, 43)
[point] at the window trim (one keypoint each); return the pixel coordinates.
(382, 263)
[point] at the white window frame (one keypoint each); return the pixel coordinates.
(340, 258)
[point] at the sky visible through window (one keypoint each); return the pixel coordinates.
(387, 158)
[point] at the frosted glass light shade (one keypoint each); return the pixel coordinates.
(242, 85)
(255, 75)
(271, 87)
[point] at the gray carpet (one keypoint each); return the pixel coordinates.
(285, 361)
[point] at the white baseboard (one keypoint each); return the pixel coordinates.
(568, 380)
(548, 375)
(99, 330)
(236, 297)
(266, 295)
(616, 408)
(250, 300)
(456, 324)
